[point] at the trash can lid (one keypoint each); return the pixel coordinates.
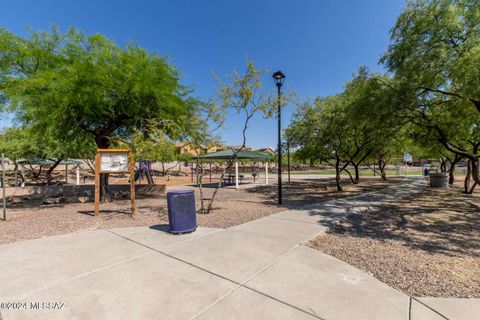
(180, 191)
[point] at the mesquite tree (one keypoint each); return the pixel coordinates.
(241, 95)
(435, 55)
(74, 88)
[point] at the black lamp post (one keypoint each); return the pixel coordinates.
(288, 160)
(279, 77)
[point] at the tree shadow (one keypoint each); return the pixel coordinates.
(298, 194)
(107, 214)
(433, 222)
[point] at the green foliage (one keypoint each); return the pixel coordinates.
(154, 147)
(435, 54)
(26, 143)
(72, 88)
(16, 144)
(355, 125)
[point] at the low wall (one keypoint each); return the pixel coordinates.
(70, 190)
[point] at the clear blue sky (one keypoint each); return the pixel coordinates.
(318, 44)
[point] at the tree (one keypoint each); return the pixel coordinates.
(75, 88)
(27, 143)
(318, 132)
(349, 128)
(435, 54)
(242, 96)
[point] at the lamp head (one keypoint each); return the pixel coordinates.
(278, 77)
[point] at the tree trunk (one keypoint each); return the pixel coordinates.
(337, 174)
(18, 174)
(381, 167)
(103, 142)
(357, 174)
(50, 170)
(148, 174)
(475, 177)
(210, 204)
(443, 166)
(466, 183)
(451, 176)
(451, 170)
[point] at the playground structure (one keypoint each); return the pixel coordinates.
(144, 171)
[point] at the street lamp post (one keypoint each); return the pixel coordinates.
(279, 77)
(288, 159)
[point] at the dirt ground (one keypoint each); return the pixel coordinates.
(31, 220)
(425, 245)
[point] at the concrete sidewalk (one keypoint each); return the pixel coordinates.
(258, 270)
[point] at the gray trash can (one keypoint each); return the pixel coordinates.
(182, 217)
(438, 180)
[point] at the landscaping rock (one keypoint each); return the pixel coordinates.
(53, 200)
(14, 201)
(83, 199)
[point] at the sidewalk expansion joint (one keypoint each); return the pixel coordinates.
(425, 305)
(239, 284)
(243, 284)
(172, 257)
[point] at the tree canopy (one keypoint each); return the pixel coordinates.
(73, 87)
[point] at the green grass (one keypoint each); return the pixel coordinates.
(365, 172)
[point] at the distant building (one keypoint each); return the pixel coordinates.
(237, 147)
(268, 150)
(187, 147)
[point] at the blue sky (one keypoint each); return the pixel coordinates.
(318, 44)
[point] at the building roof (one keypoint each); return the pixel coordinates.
(266, 150)
(235, 154)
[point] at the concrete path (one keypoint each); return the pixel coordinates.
(258, 270)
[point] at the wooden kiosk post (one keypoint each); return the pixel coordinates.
(114, 161)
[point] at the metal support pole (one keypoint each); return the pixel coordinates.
(236, 174)
(191, 171)
(210, 171)
(66, 174)
(288, 160)
(3, 190)
(77, 171)
(279, 147)
(266, 172)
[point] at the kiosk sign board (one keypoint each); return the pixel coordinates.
(113, 161)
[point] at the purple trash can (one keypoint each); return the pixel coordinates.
(182, 217)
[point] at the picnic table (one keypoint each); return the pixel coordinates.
(230, 178)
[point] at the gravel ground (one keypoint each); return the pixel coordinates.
(31, 220)
(425, 245)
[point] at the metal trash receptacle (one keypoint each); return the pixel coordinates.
(182, 216)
